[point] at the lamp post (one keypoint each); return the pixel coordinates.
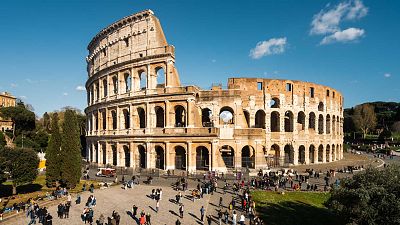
(22, 140)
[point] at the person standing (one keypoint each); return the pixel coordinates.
(209, 220)
(157, 205)
(181, 210)
(242, 219)
(134, 210)
(234, 215)
(148, 217)
(202, 210)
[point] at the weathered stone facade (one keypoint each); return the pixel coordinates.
(139, 115)
(6, 100)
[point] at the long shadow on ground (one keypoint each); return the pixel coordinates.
(296, 212)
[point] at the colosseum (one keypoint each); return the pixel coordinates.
(140, 116)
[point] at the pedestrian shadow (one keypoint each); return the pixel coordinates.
(173, 201)
(132, 216)
(174, 213)
(152, 208)
(197, 218)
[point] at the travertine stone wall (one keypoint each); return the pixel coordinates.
(139, 115)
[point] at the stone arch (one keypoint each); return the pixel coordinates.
(127, 154)
(114, 81)
(228, 156)
(328, 153)
(160, 121)
(104, 153)
(114, 155)
(229, 109)
(180, 158)
(321, 106)
(311, 154)
(301, 121)
(202, 158)
(105, 88)
(142, 80)
(328, 124)
(128, 82)
(334, 125)
(275, 121)
(320, 153)
(127, 118)
(260, 119)
(97, 87)
(142, 117)
(160, 72)
(288, 121)
(320, 124)
(275, 102)
(334, 153)
(248, 157)
(276, 156)
(180, 116)
(104, 120)
(311, 121)
(247, 117)
(160, 157)
(142, 159)
(289, 154)
(114, 119)
(206, 114)
(302, 155)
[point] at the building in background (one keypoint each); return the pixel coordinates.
(6, 100)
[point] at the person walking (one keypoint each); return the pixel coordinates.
(202, 210)
(101, 219)
(242, 219)
(234, 216)
(32, 216)
(181, 210)
(157, 205)
(134, 210)
(178, 222)
(148, 217)
(209, 220)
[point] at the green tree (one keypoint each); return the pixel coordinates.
(46, 122)
(53, 153)
(70, 150)
(21, 165)
(370, 197)
(23, 119)
(364, 118)
(2, 140)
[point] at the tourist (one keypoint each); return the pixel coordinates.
(142, 219)
(202, 210)
(32, 216)
(101, 219)
(78, 199)
(48, 219)
(60, 210)
(157, 205)
(66, 210)
(209, 220)
(226, 216)
(148, 216)
(181, 210)
(242, 220)
(134, 210)
(178, 222)
(234, 215)
(219, 217)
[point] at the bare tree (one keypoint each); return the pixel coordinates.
(364, 118)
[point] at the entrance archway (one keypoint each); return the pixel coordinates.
(202, 158)
(127, 154)
(248, 157)
(114, 155)
(320, 153)
(311, 154)
(302, 154)
(274, 156)
(142, 157)
(228, 156)
(180, 158)
(289, 154)
(160, 157)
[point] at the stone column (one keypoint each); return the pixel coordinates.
(213, 156)
(191, 162)
(148, 155)
(166, 112)
(324, 154)
(169, 165)
(296, 152)
(307, 154)
(148, 118)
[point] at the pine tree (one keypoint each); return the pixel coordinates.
(71, 150)
(53, 153)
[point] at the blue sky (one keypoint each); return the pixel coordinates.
(352, 46)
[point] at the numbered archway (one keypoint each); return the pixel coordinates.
(228, 156)
(160, 157)
(248, 157)
(180, 158)
(202, 158)
(142, 157)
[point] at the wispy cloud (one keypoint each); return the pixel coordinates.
(14, 85)
(328, 20)
(348, 35)
(65, 94)
(22, 97)
(272, 46)
(80, 88)
(387, 75)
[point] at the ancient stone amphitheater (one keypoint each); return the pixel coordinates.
(140, 116)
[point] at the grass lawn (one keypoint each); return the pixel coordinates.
(294, 208)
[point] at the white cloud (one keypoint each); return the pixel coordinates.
(22, 97)
(348, 35)
(269, 47)
(328, 20)
(387, 75)
(80, 88)
(65, 94)
(14, 85)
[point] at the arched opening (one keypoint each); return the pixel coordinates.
(160, 158)
(311, 154)
(96, 148)
(142, 117)
(288, 121)
(334, 125)
(275, 125)
(114, 119)
(104, 152)
(115, 84)
(91, 153)
(105, 88)
(275, 103)
(114, 155)
(128, 82)
(160, 77)
(180, 158)
(127, 154)
(226, 115)
(202, 158)
(289, 154)
(228, 156)
(334, 153)
(311, 121)
(321, 153)
(142, 156)
(301, 121)
(143, 80)
(206, 114)
(96, 121)
(247, 118)
(180, 116)
(260, 119)
(302, 155)
(159, 116)
(274, 156)
(97, 91)
(321, 107)
(320, 124)
(104, 120)
(127, 119)
(328, 153)
(248, 157)
(328, 124)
